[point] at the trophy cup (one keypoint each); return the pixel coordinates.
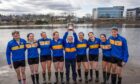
(70, 29)
(70, 26)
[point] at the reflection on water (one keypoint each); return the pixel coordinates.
(132, 35)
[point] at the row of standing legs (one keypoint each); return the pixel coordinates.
(108, 69)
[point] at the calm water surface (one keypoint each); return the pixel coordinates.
(132, 35)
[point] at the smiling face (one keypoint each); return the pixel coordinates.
(114, 33)
(16, 35)
(91, 35)
(56, 35)
(43, 35)
(70, 39)
(103, 38)
(31, 37)
(81, 36)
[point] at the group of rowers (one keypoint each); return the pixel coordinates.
(71, 51)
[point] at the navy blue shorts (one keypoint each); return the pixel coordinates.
(44, 58)
(58, 59)
(18, 64)
(81, 58)
(93, 57)
(32, 61)
(106, 59)
(117, 61)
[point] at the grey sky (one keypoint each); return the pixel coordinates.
(80, 7)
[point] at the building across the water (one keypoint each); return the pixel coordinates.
(115, 12)
(133, 14)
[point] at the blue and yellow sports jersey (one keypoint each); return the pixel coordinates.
(32, 49)
(15, 50)
(57, 47)
(70, 48)
(70, 51)
(94, 46)
(119, 47)
(82, 47)
(106, 48)
(45, 46)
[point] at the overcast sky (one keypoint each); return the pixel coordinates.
(80, 7)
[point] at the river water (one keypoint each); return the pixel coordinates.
(132, 35)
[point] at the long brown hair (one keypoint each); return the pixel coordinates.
(29, 35)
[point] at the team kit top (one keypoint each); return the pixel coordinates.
(113, 47)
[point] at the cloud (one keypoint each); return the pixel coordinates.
(35, 6)
(126, 3)
(53, 5)
(80, 7)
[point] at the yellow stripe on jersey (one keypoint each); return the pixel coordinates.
(105, 46)
(28, 45)
(47, 42)
(117, 43)
(34, 45)
(18, 47)
(112, 41)
(44, 42)
(94, 46)
(31, 45)
(55, 47)
(81, 45)
(70, 49)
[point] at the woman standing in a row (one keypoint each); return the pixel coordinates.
(93, 44)
(15, 54)
(33, 57)
(106, 63)
(45, 55)
(70, 55)
(82, 56)
(58, 56)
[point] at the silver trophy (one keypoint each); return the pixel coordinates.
(70, 29)
(70, 26)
